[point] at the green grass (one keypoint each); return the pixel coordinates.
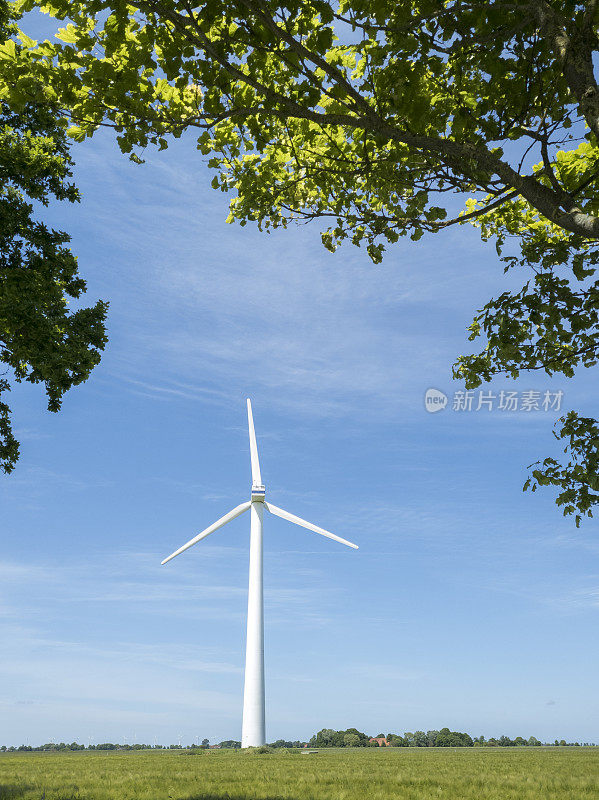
(369, 774)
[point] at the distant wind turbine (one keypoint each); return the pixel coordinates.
(253, 726)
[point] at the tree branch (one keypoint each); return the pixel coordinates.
(461, 156)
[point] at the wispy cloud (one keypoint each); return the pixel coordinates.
(312, 332)
(376, 671)
(575, 599)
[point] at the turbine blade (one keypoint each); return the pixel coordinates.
(279, 512)
(256, 477)
(214, 527)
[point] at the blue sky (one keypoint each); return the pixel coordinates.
(469, 604)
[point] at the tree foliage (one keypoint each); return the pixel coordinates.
(351, 737)
(579, 478)
(328, 737)
(371, 115)
(41, 339)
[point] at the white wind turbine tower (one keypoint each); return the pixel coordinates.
(253, 726)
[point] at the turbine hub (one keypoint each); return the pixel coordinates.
(258, 493)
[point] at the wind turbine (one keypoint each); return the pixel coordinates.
(253, 726)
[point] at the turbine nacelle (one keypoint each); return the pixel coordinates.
(258, 494)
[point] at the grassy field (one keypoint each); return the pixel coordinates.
(398, 774)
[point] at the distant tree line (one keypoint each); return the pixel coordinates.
(49, 746)
(284, 743)
(53, 747)
(441, 738)
(327, 737)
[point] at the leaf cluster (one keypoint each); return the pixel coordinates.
(578, 480)
(42, 340)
